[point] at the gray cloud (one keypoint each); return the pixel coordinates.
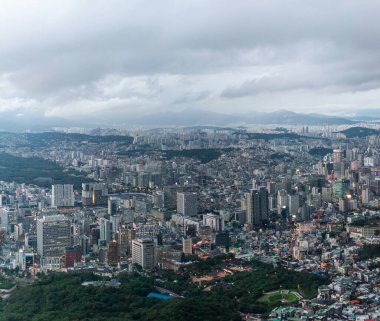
(190, 97)
(74, 57)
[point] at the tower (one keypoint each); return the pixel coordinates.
(187, 204)
(257, 206)
(144, 253)
(105, 230)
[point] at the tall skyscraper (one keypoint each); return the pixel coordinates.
(282, 199)
(105, 230)
(294, 203)
(337, 156)
(264, 203)
(338, 163)
(257, 206)
(144, 253)
(53, 235)
(62, 195)
(187, 204)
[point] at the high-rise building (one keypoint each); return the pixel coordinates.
(257, 206)
(158, 199)
(122, 236)
(241, 216)
(94, 194)
(337, 156)
(272, 187)
(338, 163)
(25, 259)
(170, 196)
(187, 245)
(105, 230)
(327, 194)
(112, 253)
(115, 221)
(365, 194)
(187, 204)
(72, 254)
(143, 179)
(125, 238)
(144, 253)
(62, 195)
(53, 235)
(85, 244)
(214, 221)
(131, 235)
(264, 203)
(294, 204)
(112, 205)
(3, 200)
(341, 188)
(223, 239)
(7, 216)
(282, 198)
(375, 187)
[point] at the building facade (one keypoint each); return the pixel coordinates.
(62, 195)
(144, 253)
(53, 235)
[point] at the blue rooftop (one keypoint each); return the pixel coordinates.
(159, 296)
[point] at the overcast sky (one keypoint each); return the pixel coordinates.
(78, 58)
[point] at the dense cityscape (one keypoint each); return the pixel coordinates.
(189, 160)
(195, 211)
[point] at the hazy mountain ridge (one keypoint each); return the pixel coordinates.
(184, 118)
(192, 117)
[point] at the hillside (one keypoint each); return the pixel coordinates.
(359, 132)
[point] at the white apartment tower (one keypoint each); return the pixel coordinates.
(62, 195)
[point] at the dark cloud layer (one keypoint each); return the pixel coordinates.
(71, 58)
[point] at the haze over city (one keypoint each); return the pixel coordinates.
(87, 61)
(189, 160)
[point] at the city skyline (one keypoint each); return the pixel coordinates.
(189, 160)
(227, 216)
(85, 61)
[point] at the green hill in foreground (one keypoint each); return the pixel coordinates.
(61, 297)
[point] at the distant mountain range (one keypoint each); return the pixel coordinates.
(194, 117)
(184, 118)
